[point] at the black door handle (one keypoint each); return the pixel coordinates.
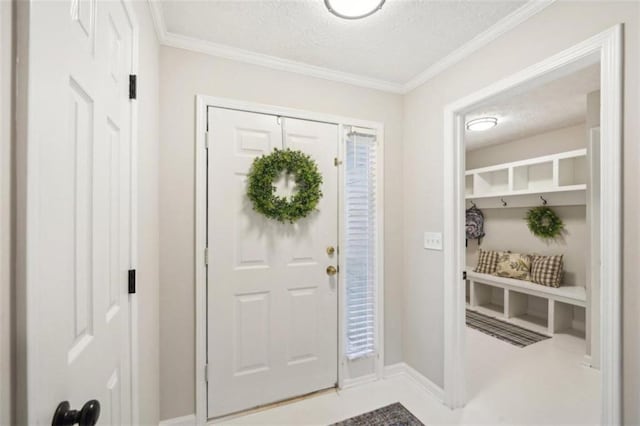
(87, 416)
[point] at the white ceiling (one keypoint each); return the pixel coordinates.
(392, 46)
(557, 104)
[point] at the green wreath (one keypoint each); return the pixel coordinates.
(544, 223)
(262, 192)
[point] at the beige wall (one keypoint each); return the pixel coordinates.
(560, 26)
(560, 140)
(148, 270)
(6, 128)
(506, 228)
(185, 74)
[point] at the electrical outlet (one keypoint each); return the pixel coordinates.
(433, 240)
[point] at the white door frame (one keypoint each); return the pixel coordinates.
(133, 298)
(26, 164)
(605, 47)
(203, 102)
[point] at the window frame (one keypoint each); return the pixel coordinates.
(350, 371)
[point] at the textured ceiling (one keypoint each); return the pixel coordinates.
(399, 42)
(557, 104)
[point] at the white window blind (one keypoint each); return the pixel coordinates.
(360, 239)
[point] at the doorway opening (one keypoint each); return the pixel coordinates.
(573, 171)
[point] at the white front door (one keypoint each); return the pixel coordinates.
(78, 223)
(272, 307)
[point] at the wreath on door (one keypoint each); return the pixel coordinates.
(261, 190)
(544, 222)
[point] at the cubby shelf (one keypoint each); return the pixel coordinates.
(543, 309)
(561, 179)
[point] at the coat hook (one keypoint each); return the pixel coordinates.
(504, 203)
(544, 202)
(472, 204)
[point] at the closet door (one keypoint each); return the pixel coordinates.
(272, 306)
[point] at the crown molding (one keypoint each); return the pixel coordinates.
(241, 55)
(509, 22)
(170, 39)
(504, 25)
(158, 20)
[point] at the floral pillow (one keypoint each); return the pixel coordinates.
(514, 265)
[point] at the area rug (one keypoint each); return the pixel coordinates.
(391, 415)
(503, 330)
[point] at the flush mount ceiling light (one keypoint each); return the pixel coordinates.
(481, 124)
(353, 9)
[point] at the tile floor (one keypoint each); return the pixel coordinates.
(544, 383)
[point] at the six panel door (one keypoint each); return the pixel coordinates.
(78, 208)
(272, 308)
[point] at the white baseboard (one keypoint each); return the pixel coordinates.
(189, 420)
(404, 369)
(357, 381)
(394, 370)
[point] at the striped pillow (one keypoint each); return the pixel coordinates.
(547, 270)
(487, 261)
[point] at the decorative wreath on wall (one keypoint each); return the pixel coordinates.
(544, 223)
(262, 192)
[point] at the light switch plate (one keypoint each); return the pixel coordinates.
(433, 240)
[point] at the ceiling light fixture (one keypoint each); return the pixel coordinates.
(482, 124)
(353, 9)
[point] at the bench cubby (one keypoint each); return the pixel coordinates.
(487, 297)
(543, 309)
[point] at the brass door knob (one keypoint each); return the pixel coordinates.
(331, 250)
(331, 270)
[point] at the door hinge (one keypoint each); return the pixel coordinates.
(132, 281)
(206, 373)
(133, 86)
(206, 140)
(464, 275)
(206, 257)
(336, 162)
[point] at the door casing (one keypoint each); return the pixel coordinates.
(203, 102)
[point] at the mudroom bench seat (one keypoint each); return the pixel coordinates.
(544, 309)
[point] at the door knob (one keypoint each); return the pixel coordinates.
(331, 250)
(331, 270)
(87, 416)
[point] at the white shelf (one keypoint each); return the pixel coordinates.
(560, 178)
(543, 309)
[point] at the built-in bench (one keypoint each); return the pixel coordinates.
(534, 306)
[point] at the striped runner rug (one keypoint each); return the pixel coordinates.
(503, 330)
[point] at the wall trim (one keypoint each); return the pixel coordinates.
(188, 420)
(246, 56)
(168, 38)
(604, 48)
(180, 41)
(504, 25)
(402, 369)
(358, 381)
